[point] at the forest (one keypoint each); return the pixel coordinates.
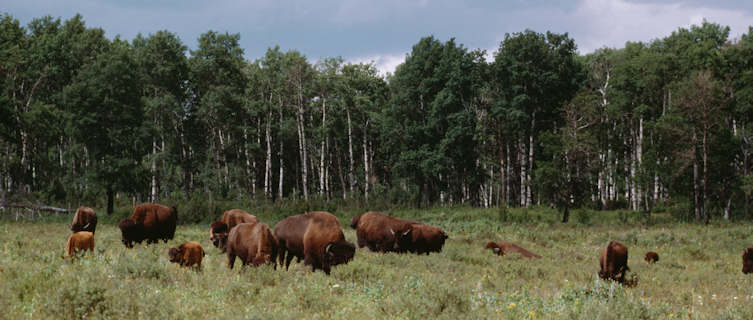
(653, 126)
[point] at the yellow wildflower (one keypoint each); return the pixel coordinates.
(512, 305)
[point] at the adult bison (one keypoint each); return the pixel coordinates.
(651, 257)
(187, 254)
(748, 260)
(219, 230)
(79, 241)
(501, 248)
(253, 243)
(149, 221)
(383, 233)
(315, 237)
(84, 220)
(613, 262)
(426, 238)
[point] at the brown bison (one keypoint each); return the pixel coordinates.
(84, 220)
(383, 233)
(79, 241)
(253, 243)
(501, 248)
(315, 237)
(426, 238)
(150, 222)
(219, 230)
(613, 262)
(748, 260)
(187, 254)
(651, 257)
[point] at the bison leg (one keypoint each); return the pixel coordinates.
(230, 260)
(288, 259)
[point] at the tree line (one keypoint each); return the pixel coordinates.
(651, 125)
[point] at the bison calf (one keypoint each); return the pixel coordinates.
(651, 257)
(501, 248)
(748, 260)
(253, 243)
(219, 230)
(187, 254)
(84, 220)
(613, 262)
(79, 241)
(317, 238)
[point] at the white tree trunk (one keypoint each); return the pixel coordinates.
(268, 161)
(351, 179)
(322, 173)
(366, 161)
(153, 198)
(280, 155)
(522, 157)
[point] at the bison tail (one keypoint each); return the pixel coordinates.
(354, 221)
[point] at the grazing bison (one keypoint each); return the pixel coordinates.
(383, 233)
(426, 238)
(187, 254)
(84, 220)
(219, 230)
(613, 262)
(79, 241)
(501, 248)
(651, 257)
(150, 222)
(748, 260)
(253, 243)
(315, 237)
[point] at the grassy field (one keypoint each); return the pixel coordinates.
(698, 275)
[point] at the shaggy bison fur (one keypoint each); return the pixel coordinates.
(426, 238)
(219, 230)
(315, 237)
(383, 233)
(150, 222)
(187, 254)
(253, 243)
(79, 241)
(84, 220)
(613, 262)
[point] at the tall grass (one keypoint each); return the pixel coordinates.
(698, 275)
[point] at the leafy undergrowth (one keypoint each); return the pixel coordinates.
(698, 275)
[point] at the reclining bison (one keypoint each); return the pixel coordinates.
(651, 257)
(315, 237)
(384, 233)
(613, 262)
(84, 220)
(501, 248)
(187, 254)
(150, 222)
(218, 231)
(253, 243)
(79, 241)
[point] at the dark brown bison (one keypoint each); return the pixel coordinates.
(426, 238)
(315, 237)
(187, 254)
(150, 222)
(501, 248)
(383, 233)
(219, 230)
(84, 220)
(79, 241)
(748, 260)
(651, 257)
(253, 243)
(613, 262)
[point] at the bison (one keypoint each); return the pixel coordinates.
(748, 260)
(383, 233)
(651, 257)
(150, 222)
(253, 243)
(79, 241)
(219, 230)
(501, 248)
(426, 238)
(84, 220)
(613, 262)
(315, 237)
(187, 254)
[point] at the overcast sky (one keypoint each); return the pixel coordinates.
(383, 31)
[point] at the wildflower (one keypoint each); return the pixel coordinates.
(671, 315)
(532, 314)
(577, 302)
(512, 305)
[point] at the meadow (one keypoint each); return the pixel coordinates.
(697, 277)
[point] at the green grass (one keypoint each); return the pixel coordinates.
(698, 275)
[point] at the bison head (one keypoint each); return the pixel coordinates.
(339, 252)
(174, 254)
(403, 239)
(131, 232)
(218, 234)
(748, 260)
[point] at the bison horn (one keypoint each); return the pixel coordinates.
(87, 225)
(392, 231)
(407, 232)
(496, 250)
(327, 248)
